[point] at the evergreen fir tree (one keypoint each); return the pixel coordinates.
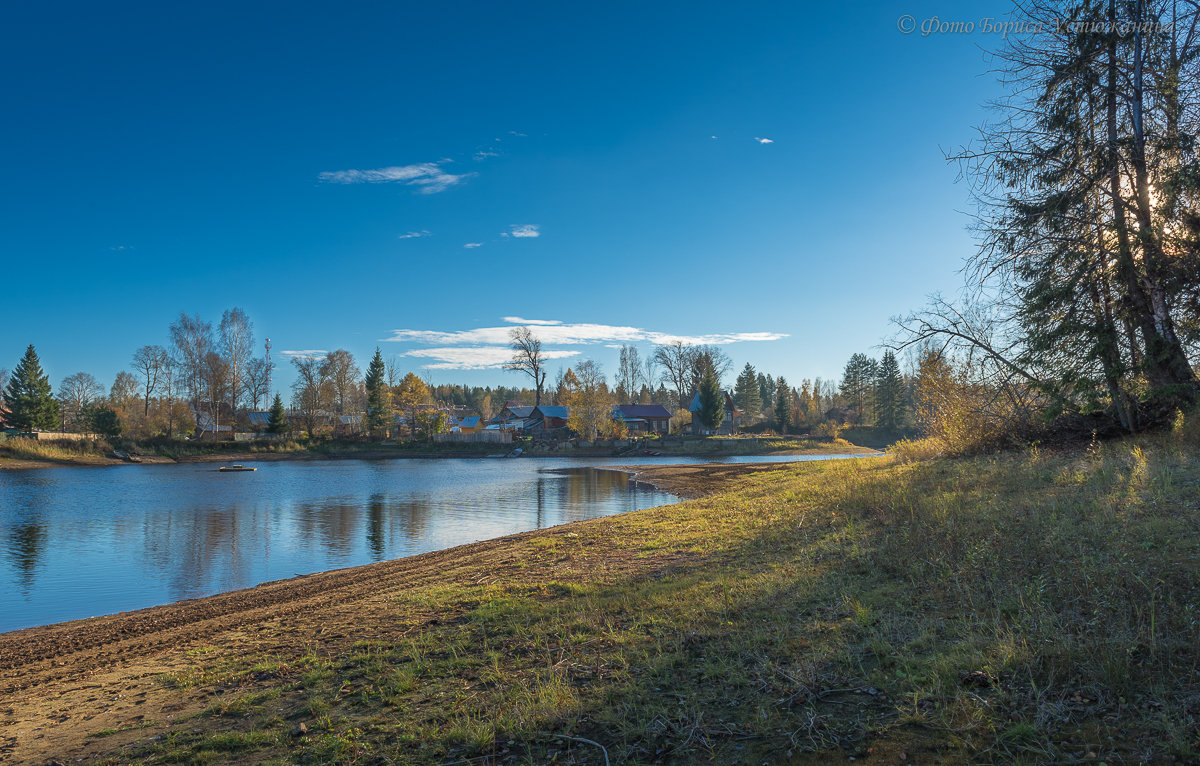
(31, 405)
(858, 385)
(712, 400)
(277, 421)
(747, 394)
(766, 393)
(104, 421)
(379, 400)
(889, 392)
(783, 405)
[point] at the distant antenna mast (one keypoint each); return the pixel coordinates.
(268, 344)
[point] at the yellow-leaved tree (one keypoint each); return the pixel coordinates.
(412, 395)
(584, 390)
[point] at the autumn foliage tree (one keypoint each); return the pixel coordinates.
(589, 399)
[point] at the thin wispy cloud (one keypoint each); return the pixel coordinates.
(523, 231)
(471, 245)
(428, 177)
(475, 357)
(309, 353)
(487, 347)
(483, 154)
(519, 321)
(416, 234)
(764, 140)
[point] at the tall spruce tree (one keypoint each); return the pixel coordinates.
(747, 394)
(766, 392)
(277, 420)
(783, 405)
(30, 402)
(712, 400)
(889, 392)
(858, 384)
(379, 398)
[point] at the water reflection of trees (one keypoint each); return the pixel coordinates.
(380, 521)
(588, 492)
(388, 520)
(205, 550)
(183, 543)
(25, 545)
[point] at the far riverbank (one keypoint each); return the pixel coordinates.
(21, 454)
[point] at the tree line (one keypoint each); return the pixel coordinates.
(208, 376)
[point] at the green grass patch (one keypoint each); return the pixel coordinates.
(1024, 607)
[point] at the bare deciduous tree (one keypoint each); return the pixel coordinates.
(75, 393)
(343, 374)
(629, 374)
(151, 363)
(311, 392)
(676, 359)
(237, 342)
(527, 358)
(191, 341)
(257, 382)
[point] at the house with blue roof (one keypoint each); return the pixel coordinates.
(549, 417)
(472, 424)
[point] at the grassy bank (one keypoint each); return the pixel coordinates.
(1016, 608)
(29, 452)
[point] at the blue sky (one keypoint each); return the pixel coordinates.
(325, 168)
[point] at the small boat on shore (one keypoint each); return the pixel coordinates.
(235, 468)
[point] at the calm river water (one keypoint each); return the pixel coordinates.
(81, 542)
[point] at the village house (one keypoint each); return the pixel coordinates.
(472, 424)
(549, 419)
(512, 417)
(643, 418)
(733, 418)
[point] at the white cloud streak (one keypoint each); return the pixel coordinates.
(764, 140)
(427, 176)
(519, 320)
(416, 234)
(310, 353)
(474, 357)
(487, 347)
(471, 245)
(526, 230)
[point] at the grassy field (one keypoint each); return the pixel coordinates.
(1016, 608)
